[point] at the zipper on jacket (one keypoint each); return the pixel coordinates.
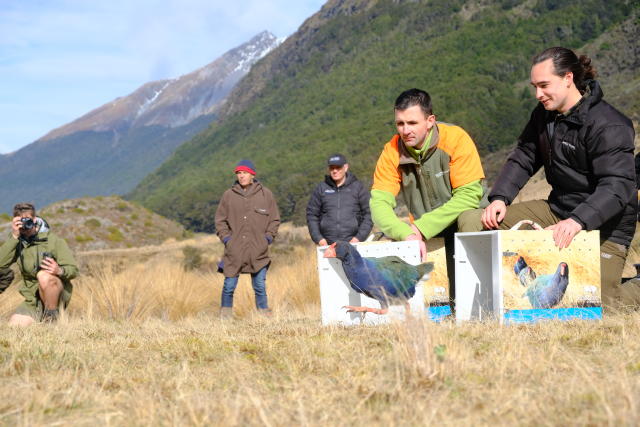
(425, 179)
(551, 138)
(338, 214)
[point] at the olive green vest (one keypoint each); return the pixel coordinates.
(425, 184)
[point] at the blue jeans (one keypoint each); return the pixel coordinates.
(259, 288)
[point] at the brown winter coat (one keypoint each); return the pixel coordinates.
(250, 219)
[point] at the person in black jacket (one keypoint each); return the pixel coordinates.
(339, 207)
(586, 148)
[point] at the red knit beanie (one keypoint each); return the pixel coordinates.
(247, 166)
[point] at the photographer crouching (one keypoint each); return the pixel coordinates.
(46, 263)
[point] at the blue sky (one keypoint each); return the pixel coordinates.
(59, 59)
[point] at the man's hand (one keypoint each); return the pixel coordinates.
(564, 232)
(494, 214)
(16, 226)
(417, 235)
(323, 242)
(51, 266)
(354, 240)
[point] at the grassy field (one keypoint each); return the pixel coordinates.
(142, 345)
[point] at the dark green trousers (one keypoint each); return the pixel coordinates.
(6, 277)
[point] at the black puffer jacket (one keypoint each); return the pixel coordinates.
(339, 213)
(588, 161)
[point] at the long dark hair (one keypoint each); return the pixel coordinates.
(565, 60)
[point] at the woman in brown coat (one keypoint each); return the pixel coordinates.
(247, 221)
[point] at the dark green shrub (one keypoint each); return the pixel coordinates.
(92, 223)
(122, 206)
(192, 258)
(186, 234)
(115, 235)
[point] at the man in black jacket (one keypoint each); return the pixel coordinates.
(339, 207)
(586, 148)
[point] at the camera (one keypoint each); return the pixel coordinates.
(27, 223)
(44, 256)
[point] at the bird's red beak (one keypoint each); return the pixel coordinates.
(330, 252)
(563, 269)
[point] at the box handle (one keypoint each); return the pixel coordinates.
(535, 225)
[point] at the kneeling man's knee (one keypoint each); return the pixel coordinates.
(20, 320)
(48, 280)
(470, 221)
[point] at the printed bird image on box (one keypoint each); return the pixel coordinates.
(436, 290)
(373, 282)
(542, 291)
(521, 276)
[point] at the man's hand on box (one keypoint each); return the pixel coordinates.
(564, 232)
(417, 235)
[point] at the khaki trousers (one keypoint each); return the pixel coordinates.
(612, 255)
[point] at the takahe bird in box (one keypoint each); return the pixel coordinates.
(544, 291)
(383, 279)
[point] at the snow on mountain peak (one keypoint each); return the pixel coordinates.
(177, 101)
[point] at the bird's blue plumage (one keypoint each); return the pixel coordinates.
(545, 291)
(380, 278)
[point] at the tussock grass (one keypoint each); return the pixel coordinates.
(142, 345)
(288, 369)
(161, 287)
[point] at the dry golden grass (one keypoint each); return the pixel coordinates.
(143, 345)
(202, 371)
(159, 286)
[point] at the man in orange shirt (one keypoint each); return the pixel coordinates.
(437, 169)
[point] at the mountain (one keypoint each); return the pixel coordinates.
(110, 149)
(330, 87)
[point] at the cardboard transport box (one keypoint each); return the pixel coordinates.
(521, 276)
(336, 292)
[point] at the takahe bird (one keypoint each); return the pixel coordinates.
(524, 272)
(383, 279)
(544, 291)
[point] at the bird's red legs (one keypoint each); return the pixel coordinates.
(356, 309)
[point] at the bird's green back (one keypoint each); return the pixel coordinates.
(397, 271)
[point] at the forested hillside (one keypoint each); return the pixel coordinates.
(331, 86)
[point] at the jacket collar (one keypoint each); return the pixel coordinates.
(406, 157)
(249, 191)
(41, 236)
(578, 114)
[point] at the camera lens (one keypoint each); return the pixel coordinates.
(27, 223)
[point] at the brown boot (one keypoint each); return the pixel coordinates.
(226, 313)
(266, 312)
(50, 316)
